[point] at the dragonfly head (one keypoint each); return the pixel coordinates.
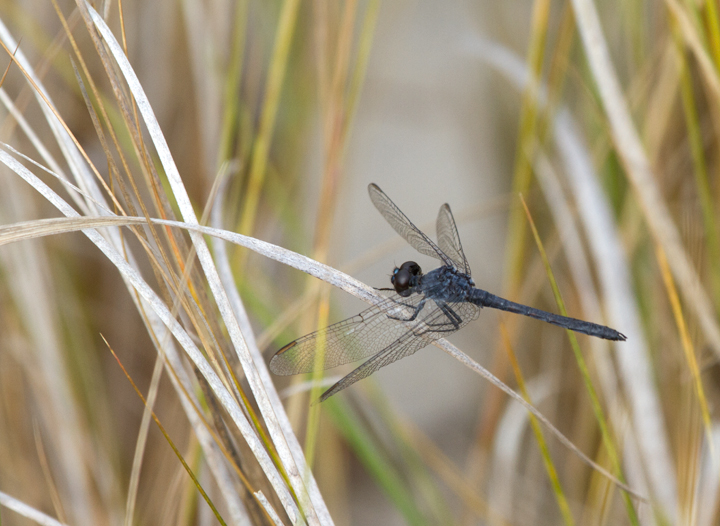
(405, 278)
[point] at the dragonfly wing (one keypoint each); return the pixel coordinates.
(403, 226)
(406, 345)
(449, 239)
(349, 340)
(436, 323)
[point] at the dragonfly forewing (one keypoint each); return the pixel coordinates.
(403, 226)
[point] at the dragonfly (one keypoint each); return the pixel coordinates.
(421, 308)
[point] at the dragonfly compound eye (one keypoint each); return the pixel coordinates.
(405, 277)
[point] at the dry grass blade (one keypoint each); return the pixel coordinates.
(163, 313)
(522, 176)
(479, 369)
(607, 251)
(629, 147)
(33, 295)
(634, 356)
(544, 451)
(261, 148)
(605, 431)
(29, 512)
(687, 347)
(238, 307)
(312, 504)
(693, 41)
(268, 508)
(169, 441)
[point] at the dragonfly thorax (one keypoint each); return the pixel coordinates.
(406, 277)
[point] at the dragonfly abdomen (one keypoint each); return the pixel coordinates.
(483, 298)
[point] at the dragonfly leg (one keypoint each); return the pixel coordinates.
(451, 315)
(444, 326)
(416, 311)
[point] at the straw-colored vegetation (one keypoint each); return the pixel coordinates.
(152, 151)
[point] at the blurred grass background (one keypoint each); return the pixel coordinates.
(301, 105)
